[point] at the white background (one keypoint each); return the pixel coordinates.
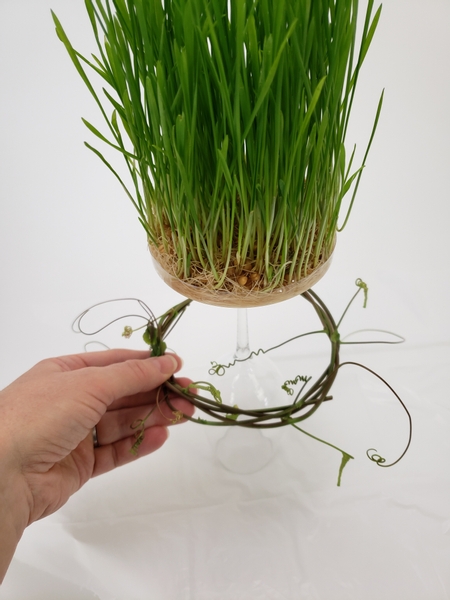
(70, 238)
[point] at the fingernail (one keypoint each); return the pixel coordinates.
(167, 364)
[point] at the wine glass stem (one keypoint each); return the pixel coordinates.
(242, 342)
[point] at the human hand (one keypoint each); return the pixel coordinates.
(48, 414)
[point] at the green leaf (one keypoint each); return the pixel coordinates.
(216, 109)
(103, 159)
(97, 133)
(265, 87)
(345, 456)
(345, 459)
(146, 337)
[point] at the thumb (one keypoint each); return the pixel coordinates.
(130, 377)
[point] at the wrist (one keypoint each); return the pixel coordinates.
(13, 519)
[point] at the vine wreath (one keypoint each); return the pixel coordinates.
(305, 402)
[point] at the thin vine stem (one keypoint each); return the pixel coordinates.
(376, 457)
(345, 455)
(308, 398)
(219, 369)
(400, 339)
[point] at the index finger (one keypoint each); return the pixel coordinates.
(103, 358)
(135, 376)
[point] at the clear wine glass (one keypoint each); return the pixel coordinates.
(253, 382)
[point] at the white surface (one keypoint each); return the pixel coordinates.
(175, 525)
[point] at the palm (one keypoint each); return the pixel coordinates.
(49, 485)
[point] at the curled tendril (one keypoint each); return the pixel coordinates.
(139, 432)
(363, 286)
(177, 417)
(156, 329)
(289, 390)
(206, 387)
(399, 339)
(127, 332)
(137, 424)
(375, 457)
(77, 324)
(304, 405)
(217, 369)
(94, 343)
(139, 438)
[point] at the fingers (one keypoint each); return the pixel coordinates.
(73, 362)
(124, 379)
(102, 358)
(118, 424)
(113, 431)
(145, 398)
(115, 455)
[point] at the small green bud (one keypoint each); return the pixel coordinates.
(127, 331)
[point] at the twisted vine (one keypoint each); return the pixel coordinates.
(306, 402)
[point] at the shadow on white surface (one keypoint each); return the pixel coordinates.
(25, 582)
(175, 526)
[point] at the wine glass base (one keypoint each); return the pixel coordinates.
(244, 451)
(254, 383)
